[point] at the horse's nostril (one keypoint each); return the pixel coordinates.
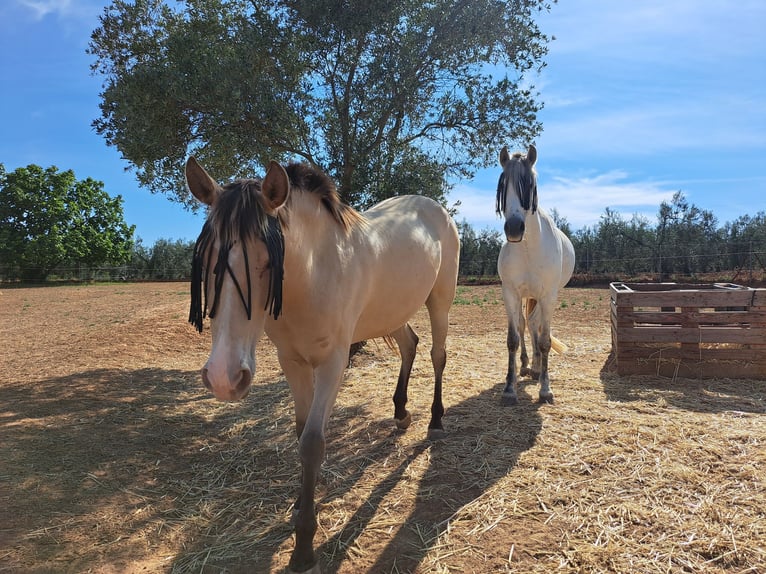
(206, 380)
(245, 377)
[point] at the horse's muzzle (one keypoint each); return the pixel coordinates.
(229, 390)
(514, 229)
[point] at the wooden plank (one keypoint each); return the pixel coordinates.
(702, 354)
(682, 298)
(668, 334)
(717, 317)
(704, 370)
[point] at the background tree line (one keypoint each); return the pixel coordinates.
(685, 241)
(53, 226)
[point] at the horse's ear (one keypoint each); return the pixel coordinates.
(202, 186)
(532, 154)
(276, 185)
(504, 156)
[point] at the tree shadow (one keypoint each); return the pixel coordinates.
(698, 395)
(97, 457)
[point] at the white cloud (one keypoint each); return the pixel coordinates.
(42, 8)
(70, 11)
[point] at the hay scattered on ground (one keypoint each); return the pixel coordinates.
(116, 460)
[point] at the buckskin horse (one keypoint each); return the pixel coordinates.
(285, 256)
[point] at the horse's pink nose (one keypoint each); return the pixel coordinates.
(229, 390)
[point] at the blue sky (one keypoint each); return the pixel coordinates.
(642, 99)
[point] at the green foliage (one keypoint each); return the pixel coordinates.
(479, 253)
(387, 97)
(685, 240)
(466, 296)
(48, 219)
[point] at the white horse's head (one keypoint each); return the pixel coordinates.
(238, 265)
(517, 191)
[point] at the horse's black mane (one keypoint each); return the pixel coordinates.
(524, 182)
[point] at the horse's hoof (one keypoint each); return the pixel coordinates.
(525, 371)
(315, 569)
(436, 434)
(546, 399)
(509, 400)
(403, 424)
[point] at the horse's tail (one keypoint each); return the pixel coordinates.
(559, 346)
(556, 344)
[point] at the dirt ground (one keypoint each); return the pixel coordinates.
(114, 458)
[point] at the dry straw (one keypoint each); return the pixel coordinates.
(116, 459)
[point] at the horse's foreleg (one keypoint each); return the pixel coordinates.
(546, 395)
(311, 448)
(300, 378)
(526, 309)
(511, 379)
(407, 341)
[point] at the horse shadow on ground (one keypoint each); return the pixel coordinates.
(484, 442)
(98, 462)
(697, 395)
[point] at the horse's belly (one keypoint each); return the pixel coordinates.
(391, 304)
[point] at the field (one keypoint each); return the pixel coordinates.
(114, 459)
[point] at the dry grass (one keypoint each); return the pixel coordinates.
(115, 460)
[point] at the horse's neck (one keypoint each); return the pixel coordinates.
(534, 225)
(540, 233)
(314, 240)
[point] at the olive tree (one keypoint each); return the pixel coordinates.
(388, 97)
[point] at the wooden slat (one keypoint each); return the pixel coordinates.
(704, 370)
(704, 354)
(667, 318)
(717, 298)
(668, 334)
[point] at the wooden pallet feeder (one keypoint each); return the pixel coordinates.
(689, 330)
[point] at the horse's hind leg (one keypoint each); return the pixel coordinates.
(527, 307)
(407, 341)
(438, 304)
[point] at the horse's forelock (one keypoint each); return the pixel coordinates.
(523, 180)
(237, 215)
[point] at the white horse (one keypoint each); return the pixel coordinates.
(285, 256)
(534, 263)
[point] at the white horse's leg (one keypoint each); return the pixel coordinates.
(540, 326)
(513, 310)
(525, 371)
(311, 448)
(407, 341)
